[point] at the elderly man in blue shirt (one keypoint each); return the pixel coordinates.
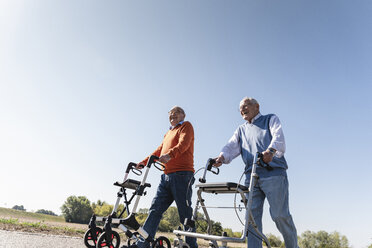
(263, 133)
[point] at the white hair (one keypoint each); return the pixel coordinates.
(177, 109)
(248, 99)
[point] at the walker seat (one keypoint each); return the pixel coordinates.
(221, 188)
(131, 184)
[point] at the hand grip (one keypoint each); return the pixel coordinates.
(209, 167)
(261, 163)
(130, 166)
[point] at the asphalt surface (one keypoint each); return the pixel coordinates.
(14, 239)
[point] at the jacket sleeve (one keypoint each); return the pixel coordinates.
(186, 137)
(156, 153)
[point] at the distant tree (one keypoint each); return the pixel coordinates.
(141, 217)
(323, 239)
(370, 246)
(102, 208)
(21, 208)
(43, 211)
(98, 204)
(77, 209)
(274, 240)
(165, 226)
(230, 233)
(143, 211)
(172, 218)
(202, 225)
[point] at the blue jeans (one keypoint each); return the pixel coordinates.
(275, 189)
(173, 187)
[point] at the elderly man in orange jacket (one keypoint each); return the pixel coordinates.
(177, 153)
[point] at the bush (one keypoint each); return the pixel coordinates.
(43, 211)
(77, 209)
(202, 225)
(323, 239)
(104, 210)
(274, 240)
(230, 233)
(21, 208)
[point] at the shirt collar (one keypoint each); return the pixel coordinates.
(255, 118)
(179, 123)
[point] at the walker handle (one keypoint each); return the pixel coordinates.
(261, 163)
(152, 160)
(209, 167)
(132, 167)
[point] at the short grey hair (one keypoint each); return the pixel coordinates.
(248, 99)
(177, 109)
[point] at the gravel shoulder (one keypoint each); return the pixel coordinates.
(17, 239)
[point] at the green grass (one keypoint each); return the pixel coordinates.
(7, 212)
(15, 224)
(11, 219)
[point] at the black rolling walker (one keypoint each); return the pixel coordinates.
(95, 237)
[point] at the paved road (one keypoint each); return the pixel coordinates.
(13, 239)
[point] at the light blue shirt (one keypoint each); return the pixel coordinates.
(179, 123)
(232, 149)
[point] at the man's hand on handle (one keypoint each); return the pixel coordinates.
(219, 160)
(267, 156)
(140, 166)
(162, 159)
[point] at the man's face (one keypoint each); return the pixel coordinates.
(175, 116)
(248, 110)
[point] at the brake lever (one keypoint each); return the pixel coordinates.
(137, 171)
(216, 171)
(159, 166)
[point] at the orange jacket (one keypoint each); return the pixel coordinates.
(179, 144)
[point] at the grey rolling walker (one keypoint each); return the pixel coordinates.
(223, 188)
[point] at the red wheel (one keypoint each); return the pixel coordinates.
(91, 237)
(113, 243)
(161, 242)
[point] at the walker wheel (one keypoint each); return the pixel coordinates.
(161, 242)
(131, 242)
(176, 244)
(89, 240)
(113, 243)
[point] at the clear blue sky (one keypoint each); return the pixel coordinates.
(85, 87)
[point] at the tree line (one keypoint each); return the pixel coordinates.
(79, 209)
(40, 211)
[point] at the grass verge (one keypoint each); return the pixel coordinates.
(38, 227)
